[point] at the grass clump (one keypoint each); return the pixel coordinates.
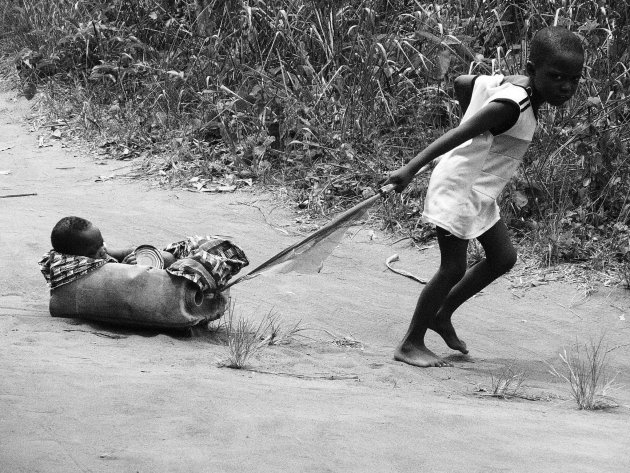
(277, 333)
(506, 384)
(586, 369)
(244, 338)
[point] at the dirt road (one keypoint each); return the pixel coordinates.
(79, 397)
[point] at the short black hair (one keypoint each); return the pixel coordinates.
(551, 39)
(66, 235)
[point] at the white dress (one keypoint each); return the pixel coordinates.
(464, 186)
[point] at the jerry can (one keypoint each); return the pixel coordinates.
(138, 296)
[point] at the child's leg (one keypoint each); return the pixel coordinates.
(500, 258)
(412, 349)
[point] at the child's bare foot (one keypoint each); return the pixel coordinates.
(418, 356)
(444, 328)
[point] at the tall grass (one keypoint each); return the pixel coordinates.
(328, 96)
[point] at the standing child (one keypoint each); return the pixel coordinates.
(478, 159)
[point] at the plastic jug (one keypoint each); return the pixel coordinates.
(136, 295)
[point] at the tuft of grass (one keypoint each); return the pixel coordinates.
(347, 341)
(506, 384)
(244, 339)
(276, 333)
(586, 368)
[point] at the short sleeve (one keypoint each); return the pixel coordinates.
(515, 96)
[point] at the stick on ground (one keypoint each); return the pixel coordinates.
(16, 195)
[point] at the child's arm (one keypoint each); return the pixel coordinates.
(169, 258)
(120, 255)
(130, 257)
(491, 116)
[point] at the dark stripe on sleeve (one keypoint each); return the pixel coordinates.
(509, 124)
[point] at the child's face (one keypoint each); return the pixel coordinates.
(93, 244)
(556, 80)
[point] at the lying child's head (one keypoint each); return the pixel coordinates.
(77, 236)
(555, 64)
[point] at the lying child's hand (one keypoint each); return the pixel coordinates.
(169, 259)
(129, 259)
(122, 255)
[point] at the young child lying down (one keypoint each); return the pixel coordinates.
(78, 248)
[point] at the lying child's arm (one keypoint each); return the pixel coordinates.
(121, 255)
(169, 259)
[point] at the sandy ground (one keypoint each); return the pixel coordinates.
(79, 397)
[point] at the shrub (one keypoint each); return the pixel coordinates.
(329, 96)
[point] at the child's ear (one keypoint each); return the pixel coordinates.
(530, 68)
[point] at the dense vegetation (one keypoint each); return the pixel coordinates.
(327, 96)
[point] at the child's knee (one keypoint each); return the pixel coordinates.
(453, 273)
(505, 263)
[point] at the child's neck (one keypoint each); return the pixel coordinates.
(535, 99)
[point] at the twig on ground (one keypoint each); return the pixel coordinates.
(569, 309)
(331, 377)
(402, 272)
(281, 230)
(346, 341)
(16, 195)
(98, 334)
